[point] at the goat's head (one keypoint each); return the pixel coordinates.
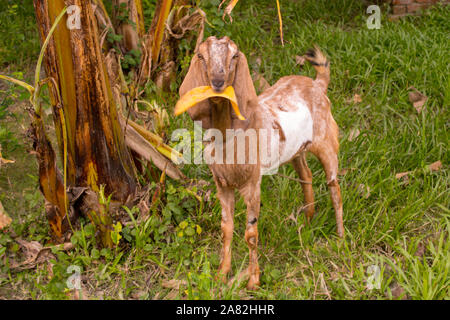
(219, 63)
(218, 60)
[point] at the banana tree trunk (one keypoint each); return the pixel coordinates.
(96, 150)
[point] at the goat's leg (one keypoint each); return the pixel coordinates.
(329, 159)
(226, 197)
(252, 200)
(301, 166)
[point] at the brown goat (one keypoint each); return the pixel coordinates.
(296, 106)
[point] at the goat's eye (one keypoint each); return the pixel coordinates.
(236, 56)
(200, 56)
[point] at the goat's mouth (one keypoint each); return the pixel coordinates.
(218, 89)
(196, 95)
(218, 86)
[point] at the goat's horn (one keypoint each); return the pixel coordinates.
(196, 95)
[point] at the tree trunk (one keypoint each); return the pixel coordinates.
(96, 150)
(86, 88)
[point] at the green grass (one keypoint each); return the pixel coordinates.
(400, 226)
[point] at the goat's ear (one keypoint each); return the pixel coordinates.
(196, 78)
(243, 86)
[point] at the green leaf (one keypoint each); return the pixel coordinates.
(183, 225)
(190, 231)
(95, 254)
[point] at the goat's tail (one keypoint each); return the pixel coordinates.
(320, 63)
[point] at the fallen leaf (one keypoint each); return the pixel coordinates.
(31, 250)
(356, 98)
(5, 220)
(354, 133)
(171, 295)
(35, 254)
(417, 99)
(398, 292)
(402, 174)
(173, 284)
(323, 286)
(435, 166)
(344, 171)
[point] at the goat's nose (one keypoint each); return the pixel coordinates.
(217, 84)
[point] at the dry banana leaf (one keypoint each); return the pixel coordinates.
(146, 150)
(228, 9)
(196, 95)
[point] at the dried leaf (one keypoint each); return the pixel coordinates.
(402, 174)
(196, 20)
(344, 171)
(196, 95)
(398, 292)
(356, 98)
(354, 133)
(158, 33)
(323, 286)
(435, 166)
(145, 149)
(228, 9)
(417, 99)
(171, 295)
(173, 284)
(5, 220)
(34, 254)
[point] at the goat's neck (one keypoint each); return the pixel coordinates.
(221, 115)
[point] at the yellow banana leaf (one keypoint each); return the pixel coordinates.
(196, 95)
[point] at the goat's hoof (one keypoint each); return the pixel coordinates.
(340, 232)
(253, 283)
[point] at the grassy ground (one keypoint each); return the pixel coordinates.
(399, 227)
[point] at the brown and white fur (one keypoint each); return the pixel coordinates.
(296, 106)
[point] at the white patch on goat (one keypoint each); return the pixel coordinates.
(297, 126)
(298, 129)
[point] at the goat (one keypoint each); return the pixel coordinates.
(296, 106)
